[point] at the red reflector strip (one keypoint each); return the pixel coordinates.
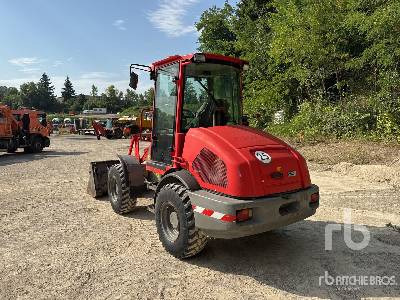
(213, 214)
(207, 212)
(228, 218)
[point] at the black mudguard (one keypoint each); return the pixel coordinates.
(134, 173)
(181, 176)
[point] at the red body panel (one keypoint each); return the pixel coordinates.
(246, 175)
(8, 124)
(35, 127)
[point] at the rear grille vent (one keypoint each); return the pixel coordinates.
(210, 168)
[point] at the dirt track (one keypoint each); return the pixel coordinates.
(58, 242)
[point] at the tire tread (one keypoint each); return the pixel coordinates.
(197, 240)
(127, 204)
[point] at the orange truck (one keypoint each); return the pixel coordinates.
(23, 128)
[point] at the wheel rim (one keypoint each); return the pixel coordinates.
(170, 222)
(114, 189)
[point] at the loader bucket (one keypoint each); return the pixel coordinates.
(98, 177)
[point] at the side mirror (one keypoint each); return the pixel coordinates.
(134, 79)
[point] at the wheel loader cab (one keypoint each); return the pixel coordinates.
(192, 92)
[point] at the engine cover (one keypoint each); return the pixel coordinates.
(243, 162)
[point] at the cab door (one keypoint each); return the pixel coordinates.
(164, 115)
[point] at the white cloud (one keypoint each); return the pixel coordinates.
(57, 63)
(24, 61)
(119, 24)
(30, 70)
(168, 17)
(97, 75)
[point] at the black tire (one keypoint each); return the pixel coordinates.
(36, 145)
(179, 237)
(12, 146)
(118, 191)
(118, 134)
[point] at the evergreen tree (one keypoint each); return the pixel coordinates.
(95, 91)
(68, 91)
(46, 100)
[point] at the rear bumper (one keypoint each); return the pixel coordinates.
(214, 214)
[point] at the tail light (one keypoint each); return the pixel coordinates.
(210, 168)
(314, 198)
(244, 214)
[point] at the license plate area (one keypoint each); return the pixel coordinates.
(289, 208)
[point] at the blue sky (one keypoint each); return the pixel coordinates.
(93, 42)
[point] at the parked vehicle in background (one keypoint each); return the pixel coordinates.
(116, 128)
(23, 128)
(95, 111)
(55, 123)
(107, 129)
(67, 121)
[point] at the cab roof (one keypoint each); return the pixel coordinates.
(188, 57)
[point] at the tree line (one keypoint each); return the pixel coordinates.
(331, 66)
(40, 95)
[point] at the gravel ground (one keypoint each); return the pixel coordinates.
(58, 242)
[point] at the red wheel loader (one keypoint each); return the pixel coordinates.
(210, 175)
